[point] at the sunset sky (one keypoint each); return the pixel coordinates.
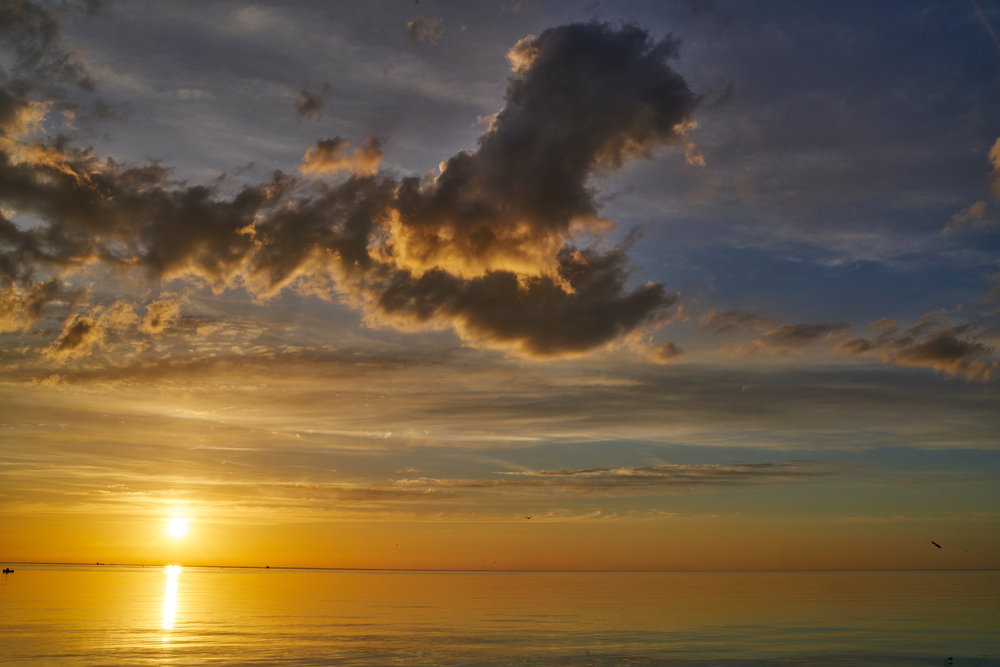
(501, 285)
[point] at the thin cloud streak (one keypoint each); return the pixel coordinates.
(933, 342)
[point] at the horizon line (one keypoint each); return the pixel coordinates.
(520, 571)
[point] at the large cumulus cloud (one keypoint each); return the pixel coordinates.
(583, 97)
(489, 247)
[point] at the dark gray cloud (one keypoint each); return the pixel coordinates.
(486, 247)
(789, 338)
(425, 28)
(310, 104)
(775, 338)
(931, 343)
(538, 314)
(799, 334)
(30, 34)
(584, 98)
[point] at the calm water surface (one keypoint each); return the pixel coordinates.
(126, 615)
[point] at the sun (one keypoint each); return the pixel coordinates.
(177, 527)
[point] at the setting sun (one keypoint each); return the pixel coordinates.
(177, 527)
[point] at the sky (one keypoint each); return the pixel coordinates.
(687, 285)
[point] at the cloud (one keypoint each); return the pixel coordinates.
(931, 343)
(995, 175)
(971, 215)
(734, 320)
(683, 474)
(789, 338)
(946, 350)
(20, 308)
(588, 99)
(79, 335)
(425, 28)
(310, 104)
(974, 215)
(593, 482)
(29, 33)
(668, 352)
(777, 339)
(522, 54)
(884, 326)
(726, 98)
(330, 156)
(160, 315)
(898, 518)
(120, 315)
(487, 248)
(538, 316)
(83, 333)
(995, 292)
(800, 334)
(19, 117)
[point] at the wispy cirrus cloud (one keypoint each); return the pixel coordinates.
(903, 518)
(598, 482)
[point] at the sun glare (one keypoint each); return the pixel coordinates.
(170, 597)
(177, 527)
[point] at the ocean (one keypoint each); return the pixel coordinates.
(155, 615)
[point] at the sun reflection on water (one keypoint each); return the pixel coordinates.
(170, 597)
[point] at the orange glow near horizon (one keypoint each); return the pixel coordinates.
(707, 543)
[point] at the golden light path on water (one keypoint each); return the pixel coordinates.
(170, 598)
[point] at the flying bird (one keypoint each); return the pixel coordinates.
(935, 544)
